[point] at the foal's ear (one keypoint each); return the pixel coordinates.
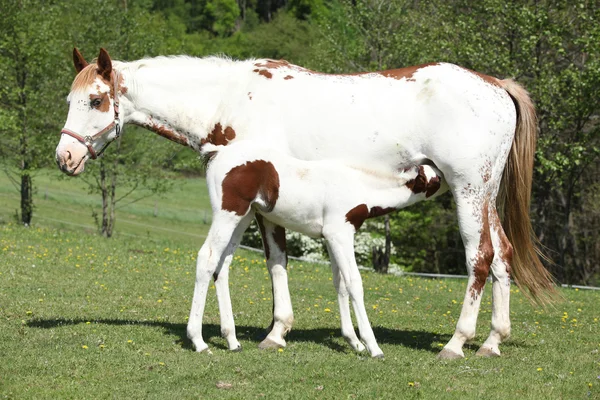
(104, 64)
(78, 60)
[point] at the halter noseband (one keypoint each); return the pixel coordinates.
(88, 141)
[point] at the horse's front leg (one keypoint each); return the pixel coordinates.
(221, 278)
(210, 257)
(275, 251)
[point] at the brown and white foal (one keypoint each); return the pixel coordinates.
(329, 199)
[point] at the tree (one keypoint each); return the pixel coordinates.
(131, 166)
(550, 46)
(33, 84)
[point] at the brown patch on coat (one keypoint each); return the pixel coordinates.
(433, 186)
(165, 132)
(264, 73)
(104, 101)
(404, 73)
(218, 136)
(244, 183)
(169, 134)
(419, 183)
(358, 215)
(273, 64)
(485, 254)
(86, 77)
(506, 248)
(489, 79)
(288, 77)
(263, 235)
(379, 211)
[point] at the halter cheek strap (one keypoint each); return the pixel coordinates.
(88, 141)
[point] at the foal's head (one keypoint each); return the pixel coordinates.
(93, 119)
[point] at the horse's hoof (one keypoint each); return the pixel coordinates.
(237, 349)
(447, 354)
(205, 350)
(487, 352)
(359, 347)
(379, 356)
(269, 344)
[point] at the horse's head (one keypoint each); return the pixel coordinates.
(93, 120)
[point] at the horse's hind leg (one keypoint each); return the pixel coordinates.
(348, 331)
(275, 251)
(473, 204)
(503, 252)
(221, 277)
(210, 257)
(340, 244)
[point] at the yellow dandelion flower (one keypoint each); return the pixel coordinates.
(539, 369)
(84, 347)
(327, 310)
(280, 350)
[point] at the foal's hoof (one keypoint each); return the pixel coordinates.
(269, 344)
(447, 354)
(379, 356)
(237, 349)
(487, 352)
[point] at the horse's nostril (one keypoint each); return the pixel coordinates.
(68, 155)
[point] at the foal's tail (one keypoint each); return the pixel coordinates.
(514, 200)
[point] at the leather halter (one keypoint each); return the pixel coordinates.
(88, 141)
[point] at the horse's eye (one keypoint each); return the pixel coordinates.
(96, 103)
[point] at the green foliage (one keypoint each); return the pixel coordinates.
(552, 47)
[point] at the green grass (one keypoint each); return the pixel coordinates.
(183, 214)
(85, 317)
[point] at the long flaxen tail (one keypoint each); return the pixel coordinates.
(514, 201)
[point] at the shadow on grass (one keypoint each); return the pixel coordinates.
(418, 340)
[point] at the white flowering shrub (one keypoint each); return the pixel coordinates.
(299, 245)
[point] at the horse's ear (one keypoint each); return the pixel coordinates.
(104, 64)
(78, 60)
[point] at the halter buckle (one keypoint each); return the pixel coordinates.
(88, 140)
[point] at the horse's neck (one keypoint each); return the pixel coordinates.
(180, 98)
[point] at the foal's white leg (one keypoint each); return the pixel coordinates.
(348, 331)
(221, 277)
(275, 251)
(503, 253)
(209, 257)
(340, 242)
(473, 221)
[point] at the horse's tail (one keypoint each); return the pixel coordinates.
(514, 201)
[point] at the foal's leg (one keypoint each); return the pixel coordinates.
(221, 277)
(340, 243)
(348, 331)
(210, 256)
(275, 251)
(503, 253)
(473, 206)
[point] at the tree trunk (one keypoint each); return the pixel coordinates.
(104, 191)
(26, 199)
(381, 260)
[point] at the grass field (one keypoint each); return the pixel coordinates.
(85, 317)
(183, 214)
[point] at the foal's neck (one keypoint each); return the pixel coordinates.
(181, 98)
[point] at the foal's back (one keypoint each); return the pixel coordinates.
(307, 196)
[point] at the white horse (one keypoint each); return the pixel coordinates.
(479, 131)
(317, 198)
